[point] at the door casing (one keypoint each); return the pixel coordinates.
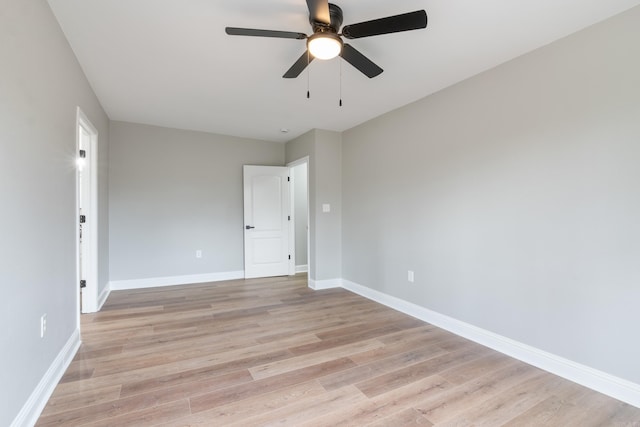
(89, 202)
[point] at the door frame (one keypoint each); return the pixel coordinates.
(292, 223)
(89, 294)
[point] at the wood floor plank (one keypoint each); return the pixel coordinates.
(274, 352)
(148, 416)
(287, 329)
(306, 360)
(387, 365)
(88, 353)
(476, 368)
(228, 360)
(456, 399)
(190, 375)
(578, 407)
(206, 354)
(265, 385)
(239, 411)
(407, 418)
(544, 413)
(405, 375)
(381, 407)
(77, 371)
(167, 341)
(425, 331)
(93, 396)
(507, 405)
(333, 343)
(101, 411)
(199, 385)
(429, 345)
(315, 407)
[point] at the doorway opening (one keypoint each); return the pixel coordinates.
(299, 240)
(87, 213)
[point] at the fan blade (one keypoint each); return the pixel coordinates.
(319, 11)
(299, 66)
(233, 31)
(359, 61)
(390, 24)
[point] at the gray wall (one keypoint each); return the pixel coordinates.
(301, 212)
(324, 149)
(328, 154)
(41, 84)
(514, 196)
(173, 192)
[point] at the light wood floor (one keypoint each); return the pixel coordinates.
(273, 352)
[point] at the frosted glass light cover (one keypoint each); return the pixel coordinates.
(323, 46)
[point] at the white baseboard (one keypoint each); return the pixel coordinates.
(594, 379)
(302, 268)
(119, 285)
(102, 298)
(28, 415)
(324, 284)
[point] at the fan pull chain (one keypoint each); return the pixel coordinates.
(340, 103)
(308, 61)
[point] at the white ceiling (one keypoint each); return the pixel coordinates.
(170, 63)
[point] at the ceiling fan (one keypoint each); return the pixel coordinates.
(326, 42)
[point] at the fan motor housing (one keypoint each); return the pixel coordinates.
(336, 16)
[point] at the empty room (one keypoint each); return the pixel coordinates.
(361, 213)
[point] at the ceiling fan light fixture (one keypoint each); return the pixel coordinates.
(324, 45)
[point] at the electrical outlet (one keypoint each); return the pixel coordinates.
(43, 325)
(410, 276)
(199, 253)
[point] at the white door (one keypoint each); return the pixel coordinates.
(266, 221)
(87, 214)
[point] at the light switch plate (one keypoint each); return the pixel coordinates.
(326, 207)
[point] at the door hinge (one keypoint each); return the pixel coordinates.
(83, 284)
(288, 179)
(83, 219)
(289, 256)
(289, 218)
